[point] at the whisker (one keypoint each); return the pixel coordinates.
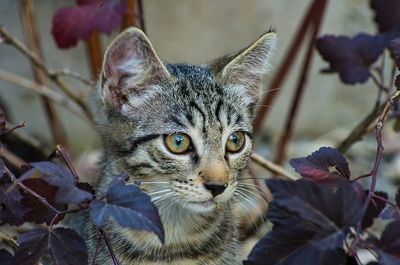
(252, 203)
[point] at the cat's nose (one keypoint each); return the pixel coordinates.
(215, 189)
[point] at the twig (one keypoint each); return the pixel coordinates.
(379, 150)
(141, 15)
(301, 84)
(42, 90)
(387, 201)
(24, 137)
(112, 254)
(59, 151)
(286, 64)
(361, 129)
(274, 168)
(68, 72)
(54, 75)
(31, 35)
(31, 192)
(12, 158)
(96, 250)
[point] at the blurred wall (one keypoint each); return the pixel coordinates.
(197, 31)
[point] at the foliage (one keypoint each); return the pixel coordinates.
(46, 192)
(71, 24)
(323, 218)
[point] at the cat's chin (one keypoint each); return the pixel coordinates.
(201, 206)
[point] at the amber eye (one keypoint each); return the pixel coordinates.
(177, 143)
(235, 142)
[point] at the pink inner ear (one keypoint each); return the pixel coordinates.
(117, 61)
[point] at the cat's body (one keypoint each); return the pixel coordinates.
(185, 132)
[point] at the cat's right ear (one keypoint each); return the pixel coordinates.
(131, 69)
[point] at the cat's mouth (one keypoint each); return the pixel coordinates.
(202, 206)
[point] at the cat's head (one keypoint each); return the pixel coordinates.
(184, 131)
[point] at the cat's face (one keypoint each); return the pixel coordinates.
(184, 132)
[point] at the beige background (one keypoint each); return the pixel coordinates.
(196, 31)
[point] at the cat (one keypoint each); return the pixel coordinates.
(185, 132)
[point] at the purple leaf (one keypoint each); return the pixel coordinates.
(322, 165)
(311, 221)
(129, 207)
(375, 207)
(398, 197)
(387, 14)
(64, 244)
(390, 213)
(67, 247)
(71, 24)
(37, 211)
(32, 246)
(11, 209)
(59, 177)
(351, 57)
(389, 246)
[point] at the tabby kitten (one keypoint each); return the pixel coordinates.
(185, 131)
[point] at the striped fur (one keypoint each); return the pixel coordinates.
(139, 101)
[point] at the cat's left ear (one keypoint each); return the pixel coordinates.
(247, 67)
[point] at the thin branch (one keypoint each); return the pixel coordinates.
(75, 75)
(270, 166)
(29, 26)
(31, 192)
(59, 151)
(112, 254)
(12, 158)
(387, 201)
(379, 150)
(361, 129)
(24, 137)
(96, 250)
(300, 87)
(54, 75)
(42, 90)
(286, 64)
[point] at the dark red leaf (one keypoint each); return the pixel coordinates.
(321, 165)
(71, 24)
(32, 246)
(375, 207)
(387, 14)
(389, 246)
(11, 209)
(398, 197)
(129, 207)
(64, 244)
(59, 177)
(351, 57)
(310, 223)
(67, 247)
(37, 211)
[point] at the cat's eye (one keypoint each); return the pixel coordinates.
(235, 142)
(177, 143)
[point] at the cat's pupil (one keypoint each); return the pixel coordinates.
(178, 140)
(234, 139)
